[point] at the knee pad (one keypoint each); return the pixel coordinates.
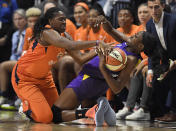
(57, 114)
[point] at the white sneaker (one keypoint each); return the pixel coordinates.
(17, 102)
(22, 114)
(139, 115)
(122, 113)
(2, 100)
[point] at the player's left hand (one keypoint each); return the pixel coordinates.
(105, 48)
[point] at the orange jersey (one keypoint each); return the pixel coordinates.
(38, 60)
(81, 34)
(100, 35)
(141, 28)
(133, 31)
(70, 28)
(28, 36)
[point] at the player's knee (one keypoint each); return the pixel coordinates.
(46, 117)
(66, 61)
(57, 114)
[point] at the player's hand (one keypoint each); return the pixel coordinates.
(149, 79)
(102, 58)
(137, 69)
(104, 22)
(105, 48)
(101, 20)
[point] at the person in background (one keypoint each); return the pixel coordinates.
(163, 26)
(7, 8)
(138, 81)
(32, 15)
(6, 67)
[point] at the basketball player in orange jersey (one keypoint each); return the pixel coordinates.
(31, 76)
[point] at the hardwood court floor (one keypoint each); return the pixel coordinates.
(12, 121)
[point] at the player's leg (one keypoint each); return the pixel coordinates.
(104, 113)
(66, 71)
(35, 105)
(5, 68)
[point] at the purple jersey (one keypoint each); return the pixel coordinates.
(90, 83)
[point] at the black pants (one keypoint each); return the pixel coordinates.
(160, 94)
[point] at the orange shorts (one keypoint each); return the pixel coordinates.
(37, 95)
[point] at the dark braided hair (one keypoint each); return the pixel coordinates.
(43, 21)
(159, 57)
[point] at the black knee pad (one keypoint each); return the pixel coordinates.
(57, 114)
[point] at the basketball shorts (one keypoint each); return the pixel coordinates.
(87, 87)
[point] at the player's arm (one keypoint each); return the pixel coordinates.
(82, 58)
(52, 37)
(123, 78)
(117, 35)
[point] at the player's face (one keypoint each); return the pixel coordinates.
(143, 14)
(58, 23)
(32, 20)
(80, 14)
(136, 41)
(125, 19)
(92, 18)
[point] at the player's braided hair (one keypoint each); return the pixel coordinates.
(44, 20)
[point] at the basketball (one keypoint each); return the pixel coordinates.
(116, 60)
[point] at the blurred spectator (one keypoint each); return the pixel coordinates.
(32, 15)
(172, 4)
(6, 67)
(25, 4)
(7, 7)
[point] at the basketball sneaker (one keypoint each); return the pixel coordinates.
(91, 112)
(139, 115)
(123, 113)
(102, 112)
(3, 100)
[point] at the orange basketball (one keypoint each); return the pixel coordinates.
(116, 60)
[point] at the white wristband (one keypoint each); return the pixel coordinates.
(150, 71)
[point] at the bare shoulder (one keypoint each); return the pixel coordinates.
(48, 36)
(49, 33)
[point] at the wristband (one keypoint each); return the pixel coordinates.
(97, 42)
(150, 71)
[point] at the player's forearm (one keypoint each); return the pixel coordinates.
(88, 56)
(83, 58)
(117, 35)
(112, 83)
(79, 45)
